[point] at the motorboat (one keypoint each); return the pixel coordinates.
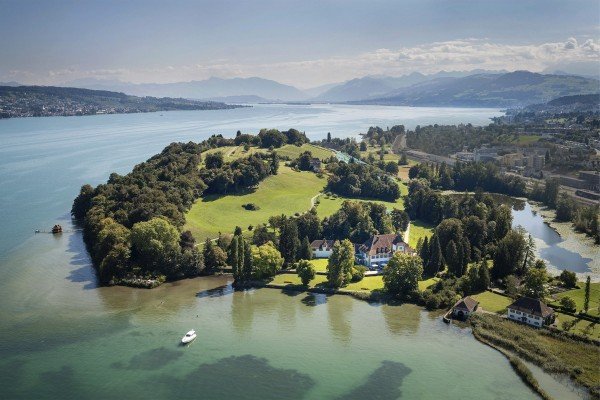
(189, 337)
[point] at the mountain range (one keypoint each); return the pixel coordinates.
(477, 88)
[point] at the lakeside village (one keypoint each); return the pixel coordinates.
(381, 226)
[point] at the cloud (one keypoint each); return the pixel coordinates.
(452, 55)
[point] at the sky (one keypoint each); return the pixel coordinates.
(301, 43)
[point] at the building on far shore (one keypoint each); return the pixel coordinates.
(531, 311)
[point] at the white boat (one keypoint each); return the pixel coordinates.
(191, 335)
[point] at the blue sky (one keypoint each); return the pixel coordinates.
(297, 42)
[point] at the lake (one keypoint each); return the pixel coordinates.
(62, 337)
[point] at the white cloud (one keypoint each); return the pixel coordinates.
(457, 55)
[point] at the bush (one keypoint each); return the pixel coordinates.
(568, 278)
(358, 273)
(251, 207)
(568, 304)
(305, 271)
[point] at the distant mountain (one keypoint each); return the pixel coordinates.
(42, 101)
(316, 91)
(249, 98)
(379, 85)
(206, 89)
(11, 83)
(513, 89)
(581, 103)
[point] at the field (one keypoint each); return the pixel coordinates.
(527, 139)
(418, 230)
(579, 294)
(368, 283)
(285, 193)
(329, 204)
(320, 264)
(293, 151)
(492, 302)
(581, 327)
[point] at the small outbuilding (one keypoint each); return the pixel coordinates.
(530, 311)
(464, 308)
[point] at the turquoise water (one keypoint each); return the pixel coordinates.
(62, 337)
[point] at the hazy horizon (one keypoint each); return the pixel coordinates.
(296, 43)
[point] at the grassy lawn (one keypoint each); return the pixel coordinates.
(292, 151)
(426, 283)
(581, 327)
(330, 204)
(579, 294)
(527, 139)
(287, 192)
(492, 302)
(320, 264)
(368, 283)
(231, 153)
(418, 230)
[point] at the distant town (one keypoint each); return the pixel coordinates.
(48, 101)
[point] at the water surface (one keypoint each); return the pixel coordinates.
(62, 337)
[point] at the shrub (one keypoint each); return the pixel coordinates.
(305, 271)
(251, 207)
(568, 304)
(358, 273)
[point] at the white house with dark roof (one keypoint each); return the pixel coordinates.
(378, 249)
(322, 248)
(531, 311)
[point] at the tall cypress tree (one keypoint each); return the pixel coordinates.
(233, 258)
(288, 241)
(586, 299)
(436, 261)
(305, 251)
(424, 253)
(247, 261)
(452, 258)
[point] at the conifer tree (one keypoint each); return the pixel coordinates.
(586, 299)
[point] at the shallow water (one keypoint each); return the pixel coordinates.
(63, 337)
(555, 250)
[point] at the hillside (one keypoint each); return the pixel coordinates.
(265, 89)
(39, 101)
(512, 89)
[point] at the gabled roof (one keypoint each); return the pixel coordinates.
(317, 244)
(532, 306)
(383, 243)
(468, 304)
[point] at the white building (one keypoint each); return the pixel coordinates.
(378, 250)
(322, 248)
(531, 311)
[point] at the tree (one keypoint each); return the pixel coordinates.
(436, 261)
(274, 163)
(424, 252)
(341, 261)
(511, 282)
(453, 260)
(534, 283)
(155, 244)
(83, 202)
(483, 274)
(586, 298)
(400, 220)
(303, 161)
(214, 257)
(288, 241)
(551, 192)
(262, 235)
(267, 260)
(568, 304)
(248, 261)
(309, 225)
(529, 255)
(401, 275)
(328, 137)
(568, 278)
(213, 160)
(305, 271)
(305, 251)
(403, 160)
(186, 240)
(509, 254)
